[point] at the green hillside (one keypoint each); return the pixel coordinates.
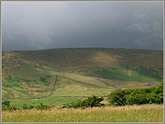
(73, 73)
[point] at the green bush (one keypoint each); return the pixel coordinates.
(5, 107)
(41, 106)
(92, 101)
(157, 94)
(6, 102)
(137, 96)
(13, 107)
(25, 106)
(117, 97)
(9, 108)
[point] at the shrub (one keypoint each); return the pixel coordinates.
(92, 101)
(6, 102)
(156, 98)
(5, 107)
(41, 106)
(117, 97)
(137, 96)
(25, 106)
(9, 108)
(13, 108)
(157, 94)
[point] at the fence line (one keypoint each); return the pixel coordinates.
(54, 89)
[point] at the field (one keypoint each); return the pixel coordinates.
(141, 113)
(52, 101)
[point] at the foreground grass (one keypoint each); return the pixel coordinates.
(136, 113)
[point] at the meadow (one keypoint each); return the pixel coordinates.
(134, 113)
(52, 101)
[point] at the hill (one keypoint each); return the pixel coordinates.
(74, 73)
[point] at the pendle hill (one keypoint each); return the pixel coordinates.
(60, 76)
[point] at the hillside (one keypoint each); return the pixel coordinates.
(77, 72)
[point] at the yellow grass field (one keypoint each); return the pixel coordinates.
(135, 113)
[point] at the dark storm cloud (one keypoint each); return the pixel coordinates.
(42, 25)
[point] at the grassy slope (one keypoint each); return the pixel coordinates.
(28, 74)
(142, 113)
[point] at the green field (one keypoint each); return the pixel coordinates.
(60, 76)
(135, 73)
(52, 101)
(136, 113)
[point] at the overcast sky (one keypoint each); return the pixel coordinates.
(44, 25)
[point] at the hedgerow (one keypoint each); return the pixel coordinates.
(138, 96)
(92, 101)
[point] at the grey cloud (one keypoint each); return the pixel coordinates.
(42, 25)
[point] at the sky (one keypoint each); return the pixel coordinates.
(54, 24)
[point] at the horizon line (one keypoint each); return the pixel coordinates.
(80, 48)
